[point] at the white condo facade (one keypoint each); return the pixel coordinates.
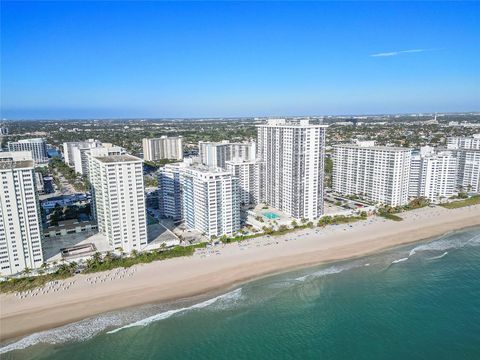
(164, 147)
(464, 142)
(206, 199)
(210, 201)
(216, 154)
(37, 146)
(378, 173)
(433, 174)
(468, 170)
(75, 153)
(170, 190)
(70, 147)
(119, 199)
(250, 176)
(20, 224)
(293, 154)
(468, 152)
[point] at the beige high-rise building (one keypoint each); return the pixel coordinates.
(163, 148)
(216, 154)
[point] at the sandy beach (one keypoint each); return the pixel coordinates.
(219, 268)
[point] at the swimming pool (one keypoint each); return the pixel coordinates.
(271, 215)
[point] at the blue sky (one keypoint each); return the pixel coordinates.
(195, 59)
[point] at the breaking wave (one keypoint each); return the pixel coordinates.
(233, 295)
(88, 328)
(439, 257)
(78, 331)
(324, 272)
(446, 243)
(399, 260)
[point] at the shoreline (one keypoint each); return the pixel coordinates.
(236, 263)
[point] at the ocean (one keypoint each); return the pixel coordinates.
(420, 301)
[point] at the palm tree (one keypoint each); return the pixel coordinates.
(97, 257)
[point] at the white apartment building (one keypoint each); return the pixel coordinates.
(163, 148)
(75, 153)
(468, 170)
(378, 173)
(293, 153)
(119, 199)
(207, 199)
(105, 149)
(210, 201)
(69, 148)
(170, 190)
(468, 152)
(433, 174)
(37, 146)
(20, 223)
(464, 142)
(216, 154)
(249, 174)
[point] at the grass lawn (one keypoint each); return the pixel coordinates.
(390, 216)
(474, 200)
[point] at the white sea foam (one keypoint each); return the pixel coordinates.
(324, 272)
(230, 296)
(446, 243)
(399, 260)
(86, 329)
(439, 257)
(82, 330)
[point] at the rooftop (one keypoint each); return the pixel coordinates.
(31, 140)
(9, 164)
(117, 158)
(298, 123)
(375, 147)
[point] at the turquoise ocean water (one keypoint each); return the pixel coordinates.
(420, 301)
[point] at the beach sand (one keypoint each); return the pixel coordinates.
(220, 268)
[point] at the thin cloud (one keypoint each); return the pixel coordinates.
(395, 53)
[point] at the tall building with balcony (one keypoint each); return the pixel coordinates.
(468, 152)
(206, 199)
(37, 146)
(378, 173)
(216, 154)
(170, 191)
(249, 174)
(468, 179)
(433, 174)
(464, 142)
(104, 149)
(164, 147)
(20, 222)
(70, 147)
(294, 155)
(119, 199)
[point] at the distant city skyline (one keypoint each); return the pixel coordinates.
(70, 60)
